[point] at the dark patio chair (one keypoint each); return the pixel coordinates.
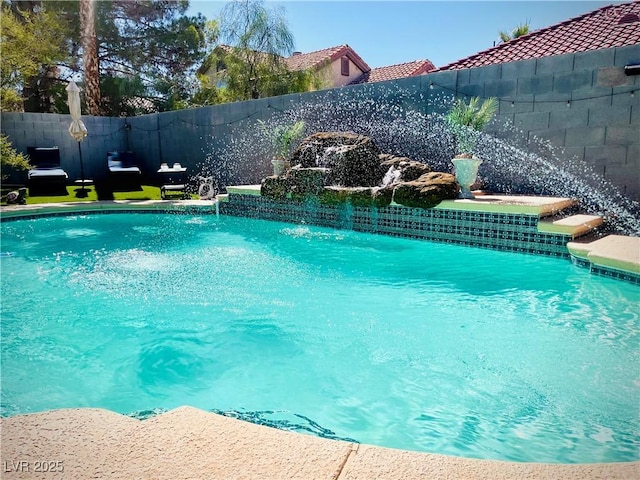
(124, 173)
(47, 174)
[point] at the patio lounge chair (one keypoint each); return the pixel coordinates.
(46, 171)
(122, 163)
(123, 170)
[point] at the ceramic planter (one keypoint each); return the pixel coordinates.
(466, 174)
(280, 166)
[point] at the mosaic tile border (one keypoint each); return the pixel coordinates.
(617, 274)
(606, 272)
(500, 231)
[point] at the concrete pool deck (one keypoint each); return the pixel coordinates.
(15, 211)
(613, 251)
(187, 443)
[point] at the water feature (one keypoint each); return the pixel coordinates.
(387, 341)
(391, 177)
(512, 162)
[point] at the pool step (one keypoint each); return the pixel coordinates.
(615, 252)
(573, 225)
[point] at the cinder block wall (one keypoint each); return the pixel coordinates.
(48, 130)
(583, 103)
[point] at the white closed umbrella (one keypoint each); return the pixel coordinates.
(77, 129)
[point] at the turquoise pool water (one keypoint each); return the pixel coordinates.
(392, 342)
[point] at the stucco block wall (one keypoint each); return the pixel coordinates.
(48, 130)
(599, 125)
(582, 103)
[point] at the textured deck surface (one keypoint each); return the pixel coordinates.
(618, 252)
(103, 205)
(188, 443)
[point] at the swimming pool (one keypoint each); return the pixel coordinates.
(394, 342)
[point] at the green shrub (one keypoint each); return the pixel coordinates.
(11, 159)
(283, 137)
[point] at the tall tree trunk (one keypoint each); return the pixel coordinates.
(31, 94)
(90, 56)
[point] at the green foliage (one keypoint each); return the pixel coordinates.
(152, 39)
(149, 50)
(259, 39)
(150, 45)
(125, 96)
(518, 31)
(268, 80)
(30, 40)
(283, 137)
(154, 46)
(296, 82)
(207, 94)
(467, 119)
(10, 158)
(10, 100)
(257, 31)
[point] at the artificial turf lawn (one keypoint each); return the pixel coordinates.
(92, 194)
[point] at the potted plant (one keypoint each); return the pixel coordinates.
(465, 121)
(282, 139)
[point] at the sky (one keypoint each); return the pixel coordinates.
(390, 32)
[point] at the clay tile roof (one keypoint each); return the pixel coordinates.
(303, 61)
(225, 48)
(393, 72)
(606, 27)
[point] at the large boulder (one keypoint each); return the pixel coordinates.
(401, 169)
(343, 167)
(274, 187)
(357, 196)
(305, 182)
(427, 191)
(352, 159)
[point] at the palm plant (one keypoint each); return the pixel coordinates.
(282, 137)
(518, 31)
(466, 119)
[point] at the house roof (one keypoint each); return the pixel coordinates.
(393, 72)
(312, 60)
(606, 27)
(303, 61)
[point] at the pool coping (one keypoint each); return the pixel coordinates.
(188, 443)
(530, 205)
(616, 252)
(42, 209)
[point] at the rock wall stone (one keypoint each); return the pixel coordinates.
(357, 196)
(353, 160)
(427, 191)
